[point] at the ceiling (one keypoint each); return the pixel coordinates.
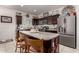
(30, 8)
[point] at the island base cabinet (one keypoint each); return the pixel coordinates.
(50, 42)
(56, 45)
(47, 46)
(51, 46)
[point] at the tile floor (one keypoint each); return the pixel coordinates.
(9, 47)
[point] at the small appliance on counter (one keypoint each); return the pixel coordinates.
(34, 29)
(45, 28)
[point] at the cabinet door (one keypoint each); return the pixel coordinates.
(45, 21)
(49, 20)
(40, 22)
(18, 20)
(35, 21)
(54, 19)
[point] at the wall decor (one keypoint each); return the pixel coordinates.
(6, 19)
(69, 10)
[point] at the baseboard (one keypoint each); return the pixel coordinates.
(8, 40)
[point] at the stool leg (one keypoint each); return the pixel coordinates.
(27, 49)
(20, 49)
(16, 48)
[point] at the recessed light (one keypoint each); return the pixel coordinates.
(35, 10)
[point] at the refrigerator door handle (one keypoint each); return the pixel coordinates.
(61, 29)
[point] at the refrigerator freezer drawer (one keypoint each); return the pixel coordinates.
(68, 41)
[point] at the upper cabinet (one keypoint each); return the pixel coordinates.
(46, 20)
(35, 21)
(43, 21)
(18, 20)
(54, 19)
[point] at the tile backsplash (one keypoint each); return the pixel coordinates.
(50, 26)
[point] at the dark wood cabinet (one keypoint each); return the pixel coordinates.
(35, 21)
(46, 20)
(18, 20)
(43, 21)
(52, 19)
(40, 22)
(55, 19)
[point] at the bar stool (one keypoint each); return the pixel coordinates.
(20, 43)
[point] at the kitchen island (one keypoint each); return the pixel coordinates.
(50, 40)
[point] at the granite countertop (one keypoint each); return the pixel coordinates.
(41, 35)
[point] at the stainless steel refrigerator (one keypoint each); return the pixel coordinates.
(67, 30)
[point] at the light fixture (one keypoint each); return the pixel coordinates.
(35, 10)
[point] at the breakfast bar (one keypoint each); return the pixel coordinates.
(50, 40)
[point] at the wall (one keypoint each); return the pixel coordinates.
(27, 22)
(8, 30)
